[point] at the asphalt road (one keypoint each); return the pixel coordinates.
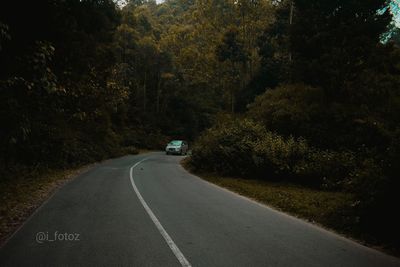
(157, 214)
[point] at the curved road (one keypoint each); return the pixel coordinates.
(129, 212)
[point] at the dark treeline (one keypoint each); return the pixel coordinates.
(305, 91)
(80, 80)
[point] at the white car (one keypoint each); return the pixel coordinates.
(179, 147)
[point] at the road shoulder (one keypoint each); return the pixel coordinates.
(23, 195)
(323, 209)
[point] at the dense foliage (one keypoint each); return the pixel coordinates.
(241, 147)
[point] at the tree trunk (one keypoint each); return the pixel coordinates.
(144, 92)
(232, 101)
(290, 23)
(158, 93)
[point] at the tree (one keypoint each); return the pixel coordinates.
(331, 40)
(55, 66)
(231, 50)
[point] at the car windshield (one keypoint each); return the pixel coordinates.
(175, 143)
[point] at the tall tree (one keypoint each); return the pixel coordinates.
(331, 41)
(231, 51)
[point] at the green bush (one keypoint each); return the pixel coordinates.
(328, 169)
(244, 148)
(275, 154)
(292, 109)
(227, 148)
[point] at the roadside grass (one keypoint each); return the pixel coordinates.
(328, 209)
(310, 204)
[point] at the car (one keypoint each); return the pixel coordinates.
(179, 147)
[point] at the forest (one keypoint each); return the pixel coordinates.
(298, 91)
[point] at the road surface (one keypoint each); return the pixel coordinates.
(146, 210)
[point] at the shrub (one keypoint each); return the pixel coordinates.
(291, 109)
(275, 154)
(227, 147)
(328, 169)
(244, 148)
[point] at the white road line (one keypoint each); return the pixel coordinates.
(179, 255)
